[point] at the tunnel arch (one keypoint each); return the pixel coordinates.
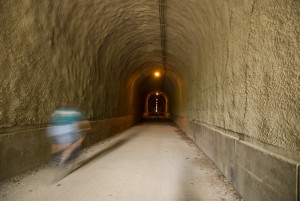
(165, 103)
(141, 83)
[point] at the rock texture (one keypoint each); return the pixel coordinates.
(231, 64)
(240, 66)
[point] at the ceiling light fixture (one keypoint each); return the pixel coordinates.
(156, 74)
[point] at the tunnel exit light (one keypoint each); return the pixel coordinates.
(156, 74)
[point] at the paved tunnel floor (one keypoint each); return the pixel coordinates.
(152, 161)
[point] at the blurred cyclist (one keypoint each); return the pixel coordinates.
(67, 129)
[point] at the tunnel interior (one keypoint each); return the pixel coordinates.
(156, 105)
(227, 67)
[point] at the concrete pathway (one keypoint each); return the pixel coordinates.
(152, 161)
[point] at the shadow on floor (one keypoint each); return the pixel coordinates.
(101, 153)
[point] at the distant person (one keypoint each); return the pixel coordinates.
(66, 131)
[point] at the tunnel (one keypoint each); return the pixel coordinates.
(226, 72)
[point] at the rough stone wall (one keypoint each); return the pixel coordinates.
(81, 51)
(240, 63)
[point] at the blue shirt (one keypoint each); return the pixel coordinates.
(65, 116)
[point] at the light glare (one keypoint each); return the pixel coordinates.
(156, 74)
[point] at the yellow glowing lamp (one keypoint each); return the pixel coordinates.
(157, 93)
(156, 74)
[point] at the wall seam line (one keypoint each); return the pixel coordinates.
(297, 182)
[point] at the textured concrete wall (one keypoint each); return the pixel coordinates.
(60, 51)
(240, 66)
